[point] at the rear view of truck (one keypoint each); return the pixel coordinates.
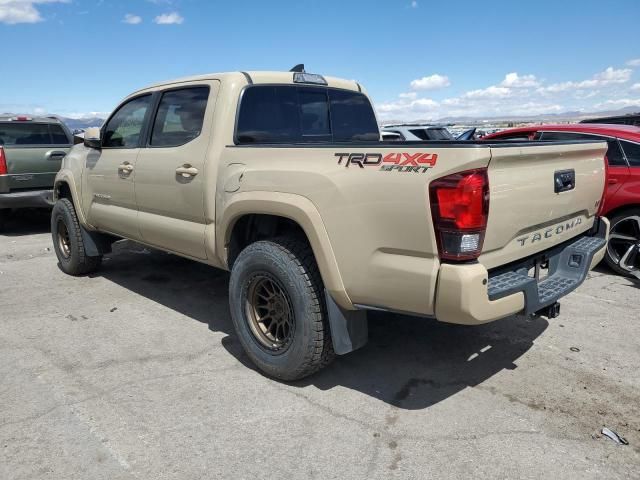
(319, 221)
(530, 220)
(465, 232)
(31, 150)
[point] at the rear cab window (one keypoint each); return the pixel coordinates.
(31, 134)
(301, 114)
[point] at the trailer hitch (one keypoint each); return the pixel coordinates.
(551, 311)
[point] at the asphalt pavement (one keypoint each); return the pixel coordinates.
(134, 372)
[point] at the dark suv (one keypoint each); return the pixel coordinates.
(31, 150)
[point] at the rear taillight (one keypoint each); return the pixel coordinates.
(460, 207)
(3, 162)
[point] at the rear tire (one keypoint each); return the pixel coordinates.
(68, 242)
(623, 247)
(277, 305)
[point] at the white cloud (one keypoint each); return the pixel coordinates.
(634, 62)
(431, 82)
(132, 19)
(609, 76)
(173, 18)
(420, 107)
(414, 4)
(22, 11)
(515, 95)
(619, 103)
(557, 87)
(582, 94)
(489, 92)
(513, 80)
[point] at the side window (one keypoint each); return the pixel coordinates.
(614, 154)
(551, 136)
(124, 128)
(58, 137)
(632, 151)
(180, 117)
(517, 137)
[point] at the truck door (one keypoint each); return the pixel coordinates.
(170, 177)
(109, 173)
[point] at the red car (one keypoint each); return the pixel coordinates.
(622, 196)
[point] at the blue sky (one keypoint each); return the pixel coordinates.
(418, 59)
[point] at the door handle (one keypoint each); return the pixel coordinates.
(612, 181)
(187, 171)
(125, 168)
(54, 154)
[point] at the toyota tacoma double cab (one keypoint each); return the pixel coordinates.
(281, 178)
(31, 151)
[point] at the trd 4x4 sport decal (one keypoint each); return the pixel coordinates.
(400, 162)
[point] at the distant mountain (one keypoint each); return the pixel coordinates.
(72, 123)
(571, 116)
(83, 123)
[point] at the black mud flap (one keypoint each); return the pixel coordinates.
(349, 328)
(96, 244)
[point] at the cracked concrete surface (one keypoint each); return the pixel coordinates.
(135, 373)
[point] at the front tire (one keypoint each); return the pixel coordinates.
(623, 248)
(277, 305)
(68, 242)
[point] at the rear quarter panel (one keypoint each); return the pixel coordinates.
(378, 222)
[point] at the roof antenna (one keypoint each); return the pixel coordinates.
(298, 68)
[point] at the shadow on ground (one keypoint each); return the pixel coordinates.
(27, 222)
(410, 363)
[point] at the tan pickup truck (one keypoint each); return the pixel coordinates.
(282, 179)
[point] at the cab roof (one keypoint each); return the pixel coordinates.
(257, 78)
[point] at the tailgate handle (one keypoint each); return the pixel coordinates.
(564, 180)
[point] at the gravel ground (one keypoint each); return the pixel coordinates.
(135, 373)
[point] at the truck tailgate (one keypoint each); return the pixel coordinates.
(540, 195)
(31, 167)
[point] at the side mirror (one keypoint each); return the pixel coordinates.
(92, 138)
